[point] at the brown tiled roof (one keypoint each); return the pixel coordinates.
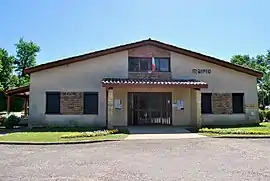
(143, 43)
(111, 82)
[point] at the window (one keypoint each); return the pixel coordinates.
(52, 102)
(144, 64)
(162, 64)
(133, 65)
(238, 102)
(90, 103)
(139, 64)
(206, 103)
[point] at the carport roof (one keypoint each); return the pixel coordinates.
(19, 91)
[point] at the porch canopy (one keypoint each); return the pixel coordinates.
(128, 82)
(22, 92)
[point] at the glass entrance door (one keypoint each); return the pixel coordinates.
(149, 108)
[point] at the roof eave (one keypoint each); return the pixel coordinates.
(200, 86)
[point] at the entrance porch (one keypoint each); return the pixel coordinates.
(153, 102)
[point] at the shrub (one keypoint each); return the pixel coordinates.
(2, 118)
(90, 133)
(267, 114)
(261, 115)
(11, 121)
(232, 131)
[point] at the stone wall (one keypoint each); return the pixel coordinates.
(222, 103)
(152, 75)
(71, 103)
(148, 51)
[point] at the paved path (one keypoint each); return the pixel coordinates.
(159, 132)
(162, 136)
(204, 159)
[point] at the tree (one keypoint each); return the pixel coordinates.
(260, 63)
(26, 52)
(243, 60)
(6, 70)
(1, 68)
(12, 70)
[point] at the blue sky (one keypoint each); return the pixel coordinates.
(64, 28)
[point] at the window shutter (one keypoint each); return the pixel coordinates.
(91, 103)
(238, 102)
(206, 103)
(52, 102)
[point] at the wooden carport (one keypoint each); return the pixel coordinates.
(22, 92)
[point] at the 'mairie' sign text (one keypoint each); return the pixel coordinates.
(201, 71)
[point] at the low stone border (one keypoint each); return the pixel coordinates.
(53, 143)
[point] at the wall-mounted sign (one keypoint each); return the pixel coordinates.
(180, 104)
(118, 104)
(201, 71)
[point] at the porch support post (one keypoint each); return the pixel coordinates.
(25, 106)
(198, 110)
(8, 104)
(110, 108)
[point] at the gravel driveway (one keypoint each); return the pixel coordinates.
(183, 159)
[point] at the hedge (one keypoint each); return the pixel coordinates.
(232, 131)
(264, 115)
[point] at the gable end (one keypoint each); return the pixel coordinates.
(150, 43)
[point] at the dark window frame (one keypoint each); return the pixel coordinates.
(149, 59)
(241, 109)
(48, 111)
(165, 58)
(202, 102)
(84, 103)
(139, 60)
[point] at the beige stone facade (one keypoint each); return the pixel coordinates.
(72, 80)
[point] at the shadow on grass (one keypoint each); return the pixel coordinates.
(4, 130)
(56, 129)
(237, 126)
(65, 129)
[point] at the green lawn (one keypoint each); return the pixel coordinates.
(261, 129)
(54, 135)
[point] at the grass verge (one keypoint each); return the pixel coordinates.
(57, 135)
(261, 129)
